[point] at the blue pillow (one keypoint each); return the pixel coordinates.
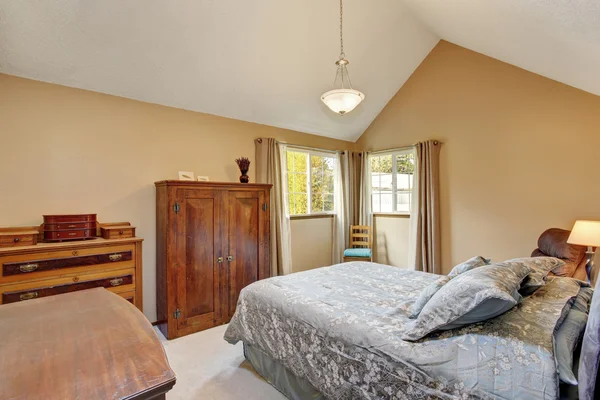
(565, 341)
(366, 253)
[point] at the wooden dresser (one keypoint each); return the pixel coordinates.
(88, 344)
(212, 241)
(46, 269)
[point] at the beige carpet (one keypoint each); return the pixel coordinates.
(207, 367)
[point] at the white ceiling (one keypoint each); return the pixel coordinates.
(558, 39)
(268, 61)
(265, 61)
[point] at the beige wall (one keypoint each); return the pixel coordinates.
(391, 240)
(520, 151)
(65, 150)
(312, 240)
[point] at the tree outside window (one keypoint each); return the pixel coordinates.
(311, 182)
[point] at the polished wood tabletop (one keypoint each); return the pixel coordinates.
(90, 344)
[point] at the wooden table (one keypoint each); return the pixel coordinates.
(90, 344)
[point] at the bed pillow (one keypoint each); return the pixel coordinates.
(584, 299)
(426, 294)
(468, 265)
(540, 268)
(493, 289)
(567, 337)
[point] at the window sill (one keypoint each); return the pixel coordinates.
(310, 216)
(391, 215)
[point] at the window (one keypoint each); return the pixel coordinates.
(311, 177)
(392, 181)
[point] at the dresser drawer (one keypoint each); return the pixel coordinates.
(129, 296)
(26, 267)
(36, 265)
(120, 281)
(69, 235)
(70, 225)
(117, 232)
(18, 239)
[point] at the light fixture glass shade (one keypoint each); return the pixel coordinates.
(585, 233)
(342, 101)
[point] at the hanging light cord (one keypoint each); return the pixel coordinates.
(342, 55)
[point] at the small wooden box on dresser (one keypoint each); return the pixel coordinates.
(46, 269)
(212, 241)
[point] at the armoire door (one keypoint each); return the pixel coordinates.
(200, 258)
(248, 250)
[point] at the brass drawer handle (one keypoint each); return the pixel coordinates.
(28, 296)
(220, 260)
(116, 281)
(71, 226)
(115, 257)
(28, 267)
(229, 258)
(72, 233)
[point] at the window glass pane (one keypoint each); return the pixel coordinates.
(328, 183)
(328, 203)
(376, 203)
(382, 164)
(298, 204)
(317, 202)
(297, 186)
(300, 185)
(403, 201)
(386, 201)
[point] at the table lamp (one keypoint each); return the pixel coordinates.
(586, 233)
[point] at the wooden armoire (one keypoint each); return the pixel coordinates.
(212, 240)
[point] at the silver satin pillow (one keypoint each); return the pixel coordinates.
(477, 295)
(540, 268)
(468, 265)
(427, 294)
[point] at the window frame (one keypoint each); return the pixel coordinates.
(395, 190)
(309, 153)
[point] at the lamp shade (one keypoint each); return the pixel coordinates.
(342, 101)
(585, 233)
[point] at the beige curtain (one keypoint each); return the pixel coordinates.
(270, 167)
(363, 214)
(425, 240)
(343, 205)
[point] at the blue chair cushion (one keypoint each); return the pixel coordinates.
(366, 253)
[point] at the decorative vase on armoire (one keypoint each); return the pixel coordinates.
(212, 240)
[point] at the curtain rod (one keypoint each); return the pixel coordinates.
(308, 148)
(393, 150)
(435, 142)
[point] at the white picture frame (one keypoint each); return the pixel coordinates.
(186, 176)
(202, 178)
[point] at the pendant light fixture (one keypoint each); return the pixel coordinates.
(343, 99)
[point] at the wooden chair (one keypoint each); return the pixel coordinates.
(361, 240)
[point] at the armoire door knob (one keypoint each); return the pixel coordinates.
(230, 258)
(220, 259)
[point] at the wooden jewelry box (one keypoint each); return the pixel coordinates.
(58, 228)
(119, 230)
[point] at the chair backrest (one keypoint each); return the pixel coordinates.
(360, 236)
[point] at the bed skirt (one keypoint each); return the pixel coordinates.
(293, 387)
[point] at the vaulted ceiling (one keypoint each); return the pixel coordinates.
(268, 61)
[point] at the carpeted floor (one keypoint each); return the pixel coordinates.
(207, 367)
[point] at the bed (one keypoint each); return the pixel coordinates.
(335, 333)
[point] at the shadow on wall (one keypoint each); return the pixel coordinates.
(391, 238)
